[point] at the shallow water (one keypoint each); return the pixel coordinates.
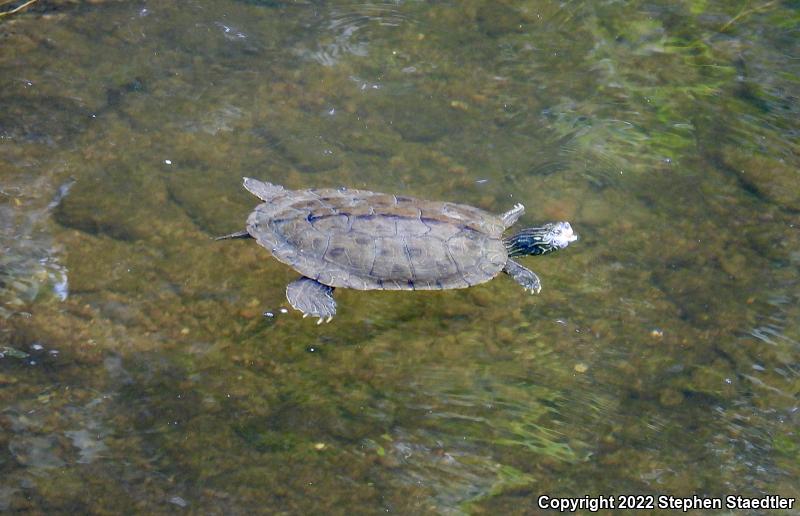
(138, 371)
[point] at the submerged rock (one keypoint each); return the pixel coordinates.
(311, 153)
(36, 451)
(6, 495)
(769, 176)
(497, 18)
(189, 188)
(43, 120)
(378, 141)
(88, 445)
(421, 117)
(119, 202)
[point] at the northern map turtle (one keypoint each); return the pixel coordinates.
(373, 241)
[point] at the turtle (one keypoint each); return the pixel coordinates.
(363, 240)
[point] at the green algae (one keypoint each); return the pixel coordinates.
(663, 131)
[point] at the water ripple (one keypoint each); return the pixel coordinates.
(347, 31)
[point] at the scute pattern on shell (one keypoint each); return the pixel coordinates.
(368, 240)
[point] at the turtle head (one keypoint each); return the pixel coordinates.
(542, 240)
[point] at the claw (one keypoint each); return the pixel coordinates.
(330, 318)
(319, 321)
(305, 315)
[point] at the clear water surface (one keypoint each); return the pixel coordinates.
(138, 372)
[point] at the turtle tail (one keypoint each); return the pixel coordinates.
(238, 234)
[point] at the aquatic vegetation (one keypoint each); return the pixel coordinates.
(10, 7)
(138, 372)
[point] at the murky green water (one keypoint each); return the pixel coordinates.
(662, 356)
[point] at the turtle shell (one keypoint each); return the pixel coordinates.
(369, 240)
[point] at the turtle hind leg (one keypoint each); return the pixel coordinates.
(261, 189)
(525, 277)
(312, 298)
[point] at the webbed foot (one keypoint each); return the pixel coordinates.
(525, 277)
(512, 215)
(312, 298)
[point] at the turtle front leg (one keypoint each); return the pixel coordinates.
(525, 277)
(312, 298)
(512, 215)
